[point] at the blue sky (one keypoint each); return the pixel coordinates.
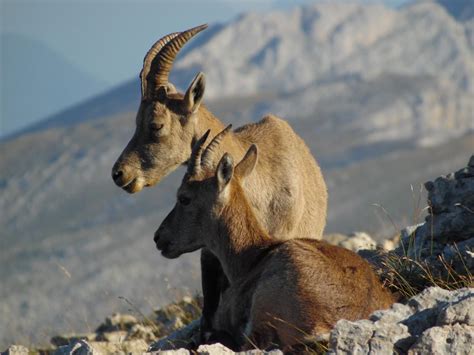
(107, 39)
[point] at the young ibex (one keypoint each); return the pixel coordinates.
(287, 189)
(280, 291)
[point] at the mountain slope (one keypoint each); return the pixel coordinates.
(415, 67)
(327, 53)
(288, 50)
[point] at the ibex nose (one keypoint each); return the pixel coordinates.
(161, 244)
(118, 175)
(157, 236)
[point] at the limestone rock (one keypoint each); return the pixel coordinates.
(170, 352)
(355, 241)
(351, 337)
(82, 347)
(461, 312)
(186, 337)
(79, 347)
(358, 241)
(66, 339)
(411, 327)
(218, 349)
(16, 350)
(391, 243)
(455, 339)
(214, 349)
(428, 304)
(442, 246)
(136, 346)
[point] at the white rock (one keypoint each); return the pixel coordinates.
(16, 350)
(80, 347)
(214, 349)
(456, 339)
(395, 330)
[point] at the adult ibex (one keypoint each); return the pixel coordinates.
(287, 189)
(280, 292)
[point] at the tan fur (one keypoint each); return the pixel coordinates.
(287, 190)
(280, 292)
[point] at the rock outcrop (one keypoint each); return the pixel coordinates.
(128, 334)
(442, 248)
(436, 321)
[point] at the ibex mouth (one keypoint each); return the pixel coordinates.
(169, 254)
(128, 183)
(165, 248)
(162, 246)
(132, 186)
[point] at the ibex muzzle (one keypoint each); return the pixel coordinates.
(164, 122)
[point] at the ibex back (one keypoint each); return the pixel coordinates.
(280, 292)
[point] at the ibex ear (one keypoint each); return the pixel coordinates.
(224, 172)
(195, 93)
(248, 162)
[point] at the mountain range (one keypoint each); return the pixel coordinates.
(383, 97)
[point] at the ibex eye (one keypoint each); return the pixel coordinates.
(184, 200)
(155, 127)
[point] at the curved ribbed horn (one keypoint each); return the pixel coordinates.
(154, 50)
(206, 160)
(194, 165)
(161, 65)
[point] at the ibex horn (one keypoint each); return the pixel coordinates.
(206, 160)
(194, 165)
(163, 62)
(154, 50)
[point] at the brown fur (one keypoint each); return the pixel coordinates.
(287, 203)
(280, 292)
(287, 190)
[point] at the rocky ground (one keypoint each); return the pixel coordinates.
(430, 266)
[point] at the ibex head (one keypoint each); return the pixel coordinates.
(165, 119)
(202, 196)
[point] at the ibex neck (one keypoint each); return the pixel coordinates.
(230, 144)
(241, 242)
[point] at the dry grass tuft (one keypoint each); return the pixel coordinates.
(177, 315)
(408, 277)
